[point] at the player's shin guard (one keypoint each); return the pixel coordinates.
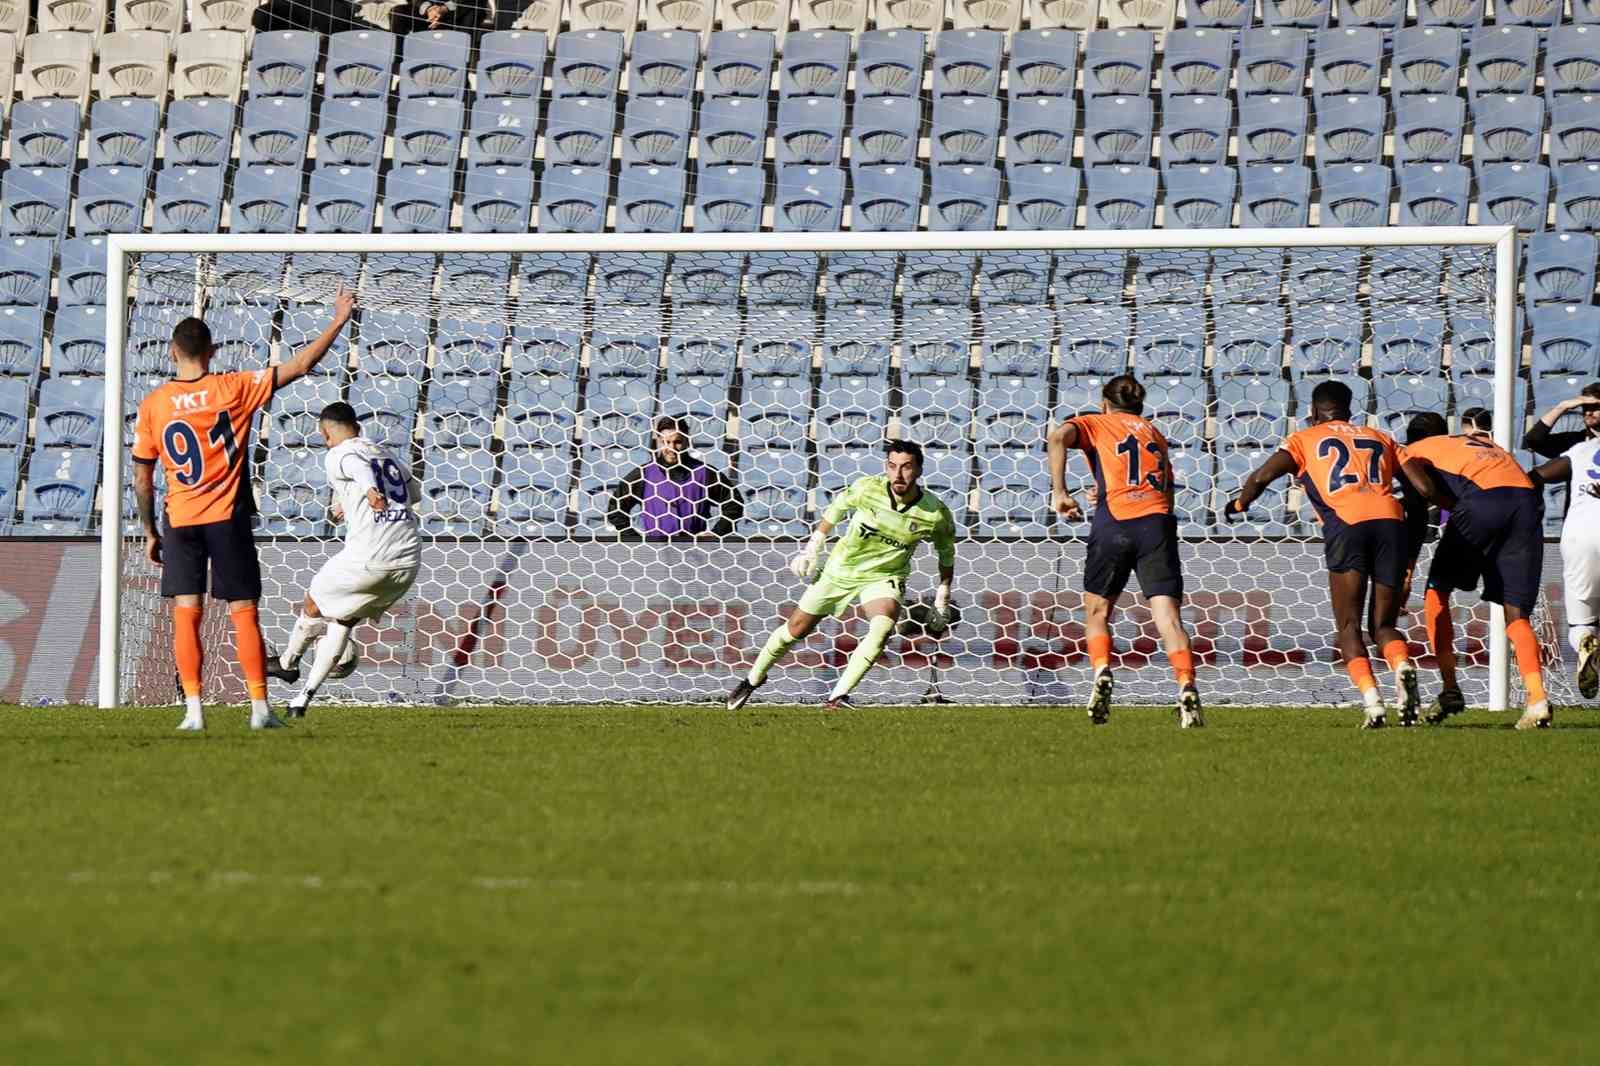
(866, 653)
(329, 649)
(187, 647)
(1396, 654)
(776, 647)
(1527, 647)
(1182, 667)
(1099, 651)
(1360, 671)
(252, 653)
(306, 629)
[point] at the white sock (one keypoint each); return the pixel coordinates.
(259, 710)
(1576, 633)
(329, 649)
(192, 709)
(1373, 700)
(306, 629)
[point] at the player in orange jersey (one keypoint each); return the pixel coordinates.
(1348, 472)
(1134, 531)
(197, 426)
(1494, 533)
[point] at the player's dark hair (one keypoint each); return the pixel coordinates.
(340, 414)
(1478, 418)
(672, 424)
(905, 447)
(1592, 390)
(1334, 396)
(1428, 424)
(1124, 393)
(192, 337)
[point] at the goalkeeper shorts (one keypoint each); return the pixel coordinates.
(346, 589)
(828, 595)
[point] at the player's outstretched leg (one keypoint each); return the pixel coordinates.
(329, 650)
(1537, 714)
(1441, 639)
(307, 627)
(190, 654)
(252, 653)
(1348, 589)
(779, 641)
(1175, 639)
(881, 615)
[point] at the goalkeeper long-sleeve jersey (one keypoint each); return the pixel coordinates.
(883, 534)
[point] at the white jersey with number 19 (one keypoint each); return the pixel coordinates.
(379, 540)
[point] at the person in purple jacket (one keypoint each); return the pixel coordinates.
(678, 497)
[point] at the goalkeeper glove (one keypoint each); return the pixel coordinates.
(805, 565)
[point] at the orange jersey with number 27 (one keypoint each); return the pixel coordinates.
(1348, 471)
(200, 432)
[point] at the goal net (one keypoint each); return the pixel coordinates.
(521, 378)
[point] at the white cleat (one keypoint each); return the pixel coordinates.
(1408, 694)
(269, 721)
(1190, 715)
(1537, 716)
(192, 725)
(1100, 698)
(1375, 719)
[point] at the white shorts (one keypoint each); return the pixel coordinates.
(345, 588)
(1580, 573)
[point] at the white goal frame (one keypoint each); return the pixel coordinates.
(120, 247)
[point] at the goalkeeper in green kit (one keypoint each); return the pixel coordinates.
(890, 515)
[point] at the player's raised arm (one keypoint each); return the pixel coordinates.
(1060, 440)
(1552, 473)
(1541, 441)
(1278, 464)
(302, 362)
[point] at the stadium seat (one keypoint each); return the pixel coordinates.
(1016, 346)
(497, 200)
(889, 63)
(776, 411)
(1094, 341)
(1171, 275)
(839, 465)
(1357, 194)
(294, 492)
(887, 199)
(1090, 276)
(1121, 197)
(22, 342)
(163, 15)
(1434, 195)
(1410, 341)
(1194, 131)
(729, 199)
(774, 482)
(1398, 398)
(695, 16)
(1472, 345)
(1427, 61)
(534, 492)
(1540, 14)
(650, 200)
(1040, 130)
(1301, 14)
(388, 409)
(1274, 196)
(1068, 14)
(110, 200)
(1272, 62)
(44, 133)
(1325, 339)
(1015, 277)
(394, 343)
(1013, 493)
(573, 199)
(1249, 340)
(58, 65)
(1246, 275)
(1118, 63)
(360, 63)
(1042, 62)
(963, 198)
(1428, 129)
(1170, 339)
(1199, 197)
(133, 63)
(1578, 197)
(929, 18)
(265, 199)
(1585, 12)
(1348, 61)
(244, 337)
(502, 132)
(223, 14)
(13, 415)
(296, 410)
(82, 278)
(1252, 411)
(1575, 130)
(1566, 340)
(967, 62)
(188, 200)
(732, 132)
(77, 340)
(663, 63)
(739, 62)
(815, 63)
(965, 130)
(350, 132)
(579, 132)
(587, 63)
(1350, 129)
(1387, 15)
(275, 131)
(1502, 59)
(1196, 61)
(1514, 194)
(61, 490)
(1559, 269)
(341, 200)
(427, 132)
(9, 467)
(1572, 62)
(70, 413)
(1041, 197)
(122, 133)
(460, 414)
(1272, 130)
(884, 131)
(1269, 515)
(810, 131)
(209, 63)
(35, 202)
(618, 17)
(936, 341)
(417, 200)
(1507, 129)
(199, 133)
(539, 352)
(433, 63)
(1117, 131)
(25, 271)
(284, 63)
(655, 132)
(862, 277)
(510, 63)
(809, 199)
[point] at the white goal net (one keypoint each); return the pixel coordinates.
(521, 378)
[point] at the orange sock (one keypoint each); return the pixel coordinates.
(1360, 671)
(1527, 646)
(252, 652)
(1396, 654)
(1182, 666)
(1099, 651)
(1441, 631)
(186, 646)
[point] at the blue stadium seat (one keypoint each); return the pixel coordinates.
(729, 199)
(427, 132)
(1408, 342)
(1252, 411)
(1502, 59)
(664, 63)
(265, 199)
(1013, 490)
(1274, 196)
(44, 133)
(1118, 62)
(1016, 277)
(22, 342)
(77, 341)
(587, 63)
(1357, 194)
(937, 341)
(350, 132)
(244, 337)
(122, 132)
(502, 132)
(889, 63)
(296, 410)
(1249, 340)
(1170, 339)
(497, 200)
(1094, 341)
(1194, 130)
(650, 200)
(294, 494)
(1200, 197)
(810, 131)
(630, 347)
(1121, 197)
(1578, 197)
(1040, 130)
(732, 132)
(9, 468)
(394, 343)
(1350, 129)
(1399, 398)
(1272, 130)
(1460, 14)
(1171, 275)
(1540, 14)
(815, 63)
(809, 199)
(35, 202)
(579, 132)
(1514, 194)
(1566, 340)
(360, 63)
(274, 131)
(573, 199)
(774, 482)
(1220, 14)
(884, 131)
(936, 278)
(341, 200)
(1575, 129)
(284, 63)
(1042, 62)
(886, 198)
(510, 65)
(1559, 269)
(61, 490)
(25, 269)
(1301, 14)
(776, 411)
(739, 63)
(839, 465)
(655, 131)
(1382, 14)
(481, 281)
(188, 200)
(965, 130)
(13, 415)
(110, 200)
(963, 198)
(1428, 129)
(304, 323)
(534, 492)
(617, 412)
(1270, 514)
(387, 407)
(1434, 195)
(862, 277)
(417, 200)
(1247, 275)
(938, 415)
(460, 414)
(1117, 131)
(1348, 61)
(1325, 339)
(967, 62)
(434, 63)
(1427, 61)
(1472, 345)
(199, 133)
(539, 414)
(1196, 61)
(457, 491)
(82, 279)
(1041, 197)
(1572, 62)
(1272, 62)
(71, 412)
(1507, 129)
(1090, 276)
(540, 353)
(1585, 12)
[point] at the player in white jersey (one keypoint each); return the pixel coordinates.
(1580, 553)
(375, 496)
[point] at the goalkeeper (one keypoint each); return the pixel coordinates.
(891, 514)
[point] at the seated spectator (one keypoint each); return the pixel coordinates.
(467, 16)
(323, 16)
(678, 496)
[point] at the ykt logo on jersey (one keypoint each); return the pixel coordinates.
(190, 401)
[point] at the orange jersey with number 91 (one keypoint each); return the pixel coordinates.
(200, 432)
(1131, 466)
(1348, 471)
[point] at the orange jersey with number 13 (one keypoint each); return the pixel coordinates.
(1131, 467)
(1347, 471)
(200, 432)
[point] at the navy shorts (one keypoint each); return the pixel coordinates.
(227, 549)
(1495, 537)
(1145, 546)
(1378, 548)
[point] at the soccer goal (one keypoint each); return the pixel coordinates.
(522, 376)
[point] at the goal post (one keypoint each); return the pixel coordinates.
(1161, 297)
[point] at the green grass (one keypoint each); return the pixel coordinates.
(658, 885)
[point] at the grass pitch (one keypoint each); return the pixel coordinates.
(661, 885)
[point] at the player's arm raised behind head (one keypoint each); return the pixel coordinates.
(302, 362)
